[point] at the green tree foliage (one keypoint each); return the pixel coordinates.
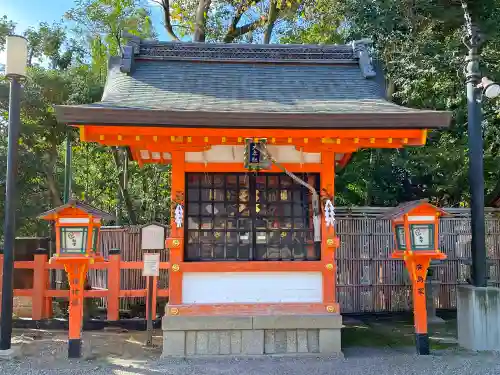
(101, 23)
(40, 170)
(6, 27)
(419, 43)
(62, 71)
(230, 21)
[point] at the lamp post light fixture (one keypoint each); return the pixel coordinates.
(490, 89)
(15, 71)
(476, 88)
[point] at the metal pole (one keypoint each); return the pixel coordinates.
(149, 323)
(473, 42)
(10, 214)
(67, 169)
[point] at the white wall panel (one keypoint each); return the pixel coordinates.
(234, 154)
(252, 287)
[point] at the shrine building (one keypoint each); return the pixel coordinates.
(253, 134)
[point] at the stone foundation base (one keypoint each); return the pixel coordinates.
(251, 336)
(478, 317)
(10, 354)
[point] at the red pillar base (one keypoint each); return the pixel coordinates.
(422, 343)
(74, 348)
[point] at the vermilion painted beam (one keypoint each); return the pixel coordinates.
(97, 266)
(270, 266)
(58, 293)
(24, 292)
(198, 144)
(344, 144)
(112, 131)
(239, 167)
(162, 293)
(24, 264)
(232, 309)
(134, 293)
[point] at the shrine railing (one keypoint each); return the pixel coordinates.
(42, 296)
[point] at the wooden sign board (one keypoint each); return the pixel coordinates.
(153, 237)
(151, 265)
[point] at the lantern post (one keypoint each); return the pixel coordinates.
(77, 247)
(416, 231)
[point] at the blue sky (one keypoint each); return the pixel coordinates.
(28, 13)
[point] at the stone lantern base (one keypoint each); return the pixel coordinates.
(431, 291)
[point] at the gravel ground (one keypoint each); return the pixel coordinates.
(123, 354)
(357, 362)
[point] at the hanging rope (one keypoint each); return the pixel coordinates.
(315, 197)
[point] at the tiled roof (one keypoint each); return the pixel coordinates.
(406, 207)
(81, 205)
(171, 80)
(240, 87)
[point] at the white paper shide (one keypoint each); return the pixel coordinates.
(329, 213)
(179, 215)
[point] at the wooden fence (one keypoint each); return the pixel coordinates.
(368, 280)
(42, 295)
(127, 239)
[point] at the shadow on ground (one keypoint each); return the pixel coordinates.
(396, 333)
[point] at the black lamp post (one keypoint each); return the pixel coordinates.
(67, 170)
(15, 70)
(476, 87)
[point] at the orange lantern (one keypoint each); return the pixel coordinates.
(416, 232)
(77, 247)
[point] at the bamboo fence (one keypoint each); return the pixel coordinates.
(368, 280)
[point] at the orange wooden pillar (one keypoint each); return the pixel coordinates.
(114, 283)
(328, 233)
(47, 307)
(175, 243)
(311, 249)
(76, 271)
(417, 266)
(40, 282)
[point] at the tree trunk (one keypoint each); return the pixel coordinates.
(271, 20)
(369, 185)
(165, 4)
(53, 188)
(201, 21)
(50, 171)
(123, 189)
(407, 186)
